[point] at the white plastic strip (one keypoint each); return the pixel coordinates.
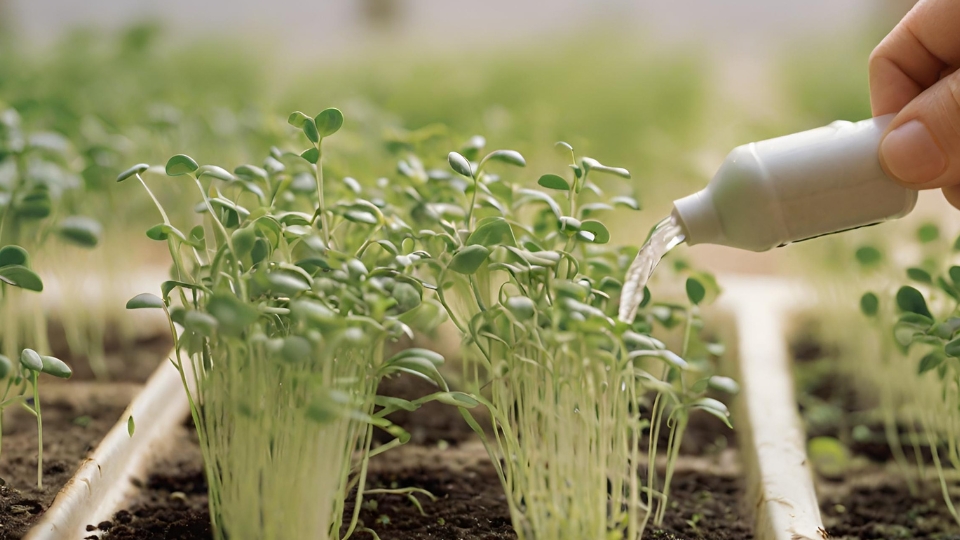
(771, 436)
(102, 482)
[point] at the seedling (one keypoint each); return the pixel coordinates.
(531, 284)
(920, 323)
(23, 388)
(281, 305)
(34, 206)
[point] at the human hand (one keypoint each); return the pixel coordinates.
(913, 73)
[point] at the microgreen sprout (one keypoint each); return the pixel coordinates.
(23, 388)
(281, 305)
(918, 316)
(531, 284)
(36, 183)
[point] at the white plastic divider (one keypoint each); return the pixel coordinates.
(102, 482)
(772, 440)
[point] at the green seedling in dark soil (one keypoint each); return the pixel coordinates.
(281, 303)
(920, 322)
(532, 284)
(23, 388)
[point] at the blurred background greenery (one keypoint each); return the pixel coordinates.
(663, 90)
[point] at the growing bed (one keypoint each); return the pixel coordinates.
(443, 457)
(863, 492)
(448, 461)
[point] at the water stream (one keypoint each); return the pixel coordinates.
(664, 237)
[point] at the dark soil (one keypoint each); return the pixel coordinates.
(73, 424)
(444, 458)
(886, 510)
(469, 505)
(125, 362)
(871, 500)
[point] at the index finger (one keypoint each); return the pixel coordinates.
(914, 55)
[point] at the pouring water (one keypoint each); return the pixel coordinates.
(665, 236)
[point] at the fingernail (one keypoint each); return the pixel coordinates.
(912, 155)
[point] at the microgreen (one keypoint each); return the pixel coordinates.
(532, 284)
(281, 304)
(920, 325)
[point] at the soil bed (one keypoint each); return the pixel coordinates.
(125, 362)
(75, 418)
(445, 459)
(870, 498)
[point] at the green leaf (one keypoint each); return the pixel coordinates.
(180, 165)
(868, 255)
(671, 358)
(628, 202)
(522, 307)
(434, 358)
(312, 155)
(250, 172)
(297, 119)
(510, 157)
(145, 301)
(534, 195)
(329, 121)
(459, 164)
(31, 360)
(284, 284)
(132, 171)
(952, 348)
(200, 322)
(600, 233)
(948, 328)
(695, 291)
(457, 399)
(416, 364)
(956, 244)
(131, 426)
(171, 284)
(5, 366)
(930, 361)
(215, 172)
(162, 231)
(928, 233)
(81, 230)
(954, 273)
(310, 130)
(724, 384)
(35, 204)
(296, 349)
(869, 304)
(232, 315)
(56, 367)
(13, 255)
(713, 407)
(919, 274)
(911, 300)
(948, 288)
(21, 276)
(469, 258)
(492, 231)
(554, 181)
(593, 165)
(829, 456)
(243, 240)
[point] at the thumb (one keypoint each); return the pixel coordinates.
(921, 148)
